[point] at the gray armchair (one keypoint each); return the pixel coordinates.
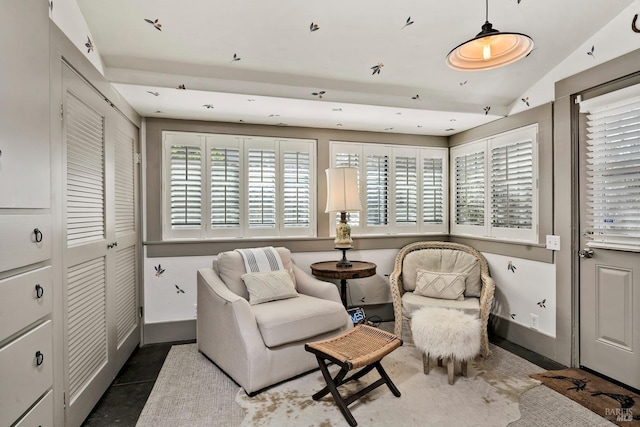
(263, 344)
(445, 257)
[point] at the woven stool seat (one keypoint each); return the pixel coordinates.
(362, 347)
(359, 347)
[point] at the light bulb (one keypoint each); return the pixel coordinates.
(486, 49)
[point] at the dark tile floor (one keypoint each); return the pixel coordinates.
(122, 403)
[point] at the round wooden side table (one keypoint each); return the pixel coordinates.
(329, 270)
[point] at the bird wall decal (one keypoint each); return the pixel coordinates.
(376, 68)
(407, 23)
(155, 23)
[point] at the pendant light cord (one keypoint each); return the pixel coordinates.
(487, 11)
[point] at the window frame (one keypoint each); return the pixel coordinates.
(393, 152)
(486, 146)
(208, 141)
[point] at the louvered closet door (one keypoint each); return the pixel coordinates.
(100, 224)
(126, 302)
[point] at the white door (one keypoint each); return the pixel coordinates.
(610, 237)
(127, 323)
(100, 287)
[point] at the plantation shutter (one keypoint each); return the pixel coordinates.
(512, 185)
(225, 188)
(406, 190)
(469, 189)
(296, 189)
(351, 160)
(432, 191)
(85, 173)
(186, 186)
(262, 188)
(613, 169)
(377, 179)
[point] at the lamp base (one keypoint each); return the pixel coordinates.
(344, 262)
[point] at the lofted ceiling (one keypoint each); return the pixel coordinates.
(357, 64)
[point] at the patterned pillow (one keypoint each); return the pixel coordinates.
(269, 286)
(440, 285)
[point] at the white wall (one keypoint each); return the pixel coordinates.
(171, 295)
(613, 40)
(67, 16)
(523, 288)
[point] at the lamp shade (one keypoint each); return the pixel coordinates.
(342, 190)
(489, 49)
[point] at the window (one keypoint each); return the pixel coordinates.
(227, 186)
(495, 187)
(402, 188)
(613, 169)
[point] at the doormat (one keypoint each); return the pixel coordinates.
(610, 401)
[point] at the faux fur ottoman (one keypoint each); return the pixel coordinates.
(444, 333)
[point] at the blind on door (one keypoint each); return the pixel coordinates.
(296, 189)
(512, 185)
(432, 191)
(406, 194)
(377, 178)
(225, 188)
(469, 173)
(613, 172)
(186, 186)
(262, 188)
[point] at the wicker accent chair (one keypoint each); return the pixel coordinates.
(443, 257)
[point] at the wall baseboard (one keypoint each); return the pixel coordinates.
(183, 330)
(528, 338)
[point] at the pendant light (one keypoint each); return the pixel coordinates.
(489, 49)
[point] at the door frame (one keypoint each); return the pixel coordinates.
(578, 134)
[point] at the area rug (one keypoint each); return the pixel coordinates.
(610, 401)
(191, 391)
(486, 397)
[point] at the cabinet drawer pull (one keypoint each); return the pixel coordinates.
(39, 291)
(39, 358)
(38, 235)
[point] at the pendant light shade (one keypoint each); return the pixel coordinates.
(489, 49)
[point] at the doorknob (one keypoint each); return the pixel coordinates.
(585, 253)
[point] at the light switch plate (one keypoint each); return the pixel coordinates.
(553, 242)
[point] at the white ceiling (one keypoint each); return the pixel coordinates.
(281, 66)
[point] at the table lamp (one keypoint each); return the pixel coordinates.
(343, 197)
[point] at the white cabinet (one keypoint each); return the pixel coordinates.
(26, 298)
(26, 239)
(24, 105)
(26, 281)
(25, 364)
(40, 415)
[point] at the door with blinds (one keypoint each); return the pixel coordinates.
(100, 284)
(610, 235)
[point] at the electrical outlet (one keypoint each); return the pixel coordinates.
(553, 242)
(534, 321)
